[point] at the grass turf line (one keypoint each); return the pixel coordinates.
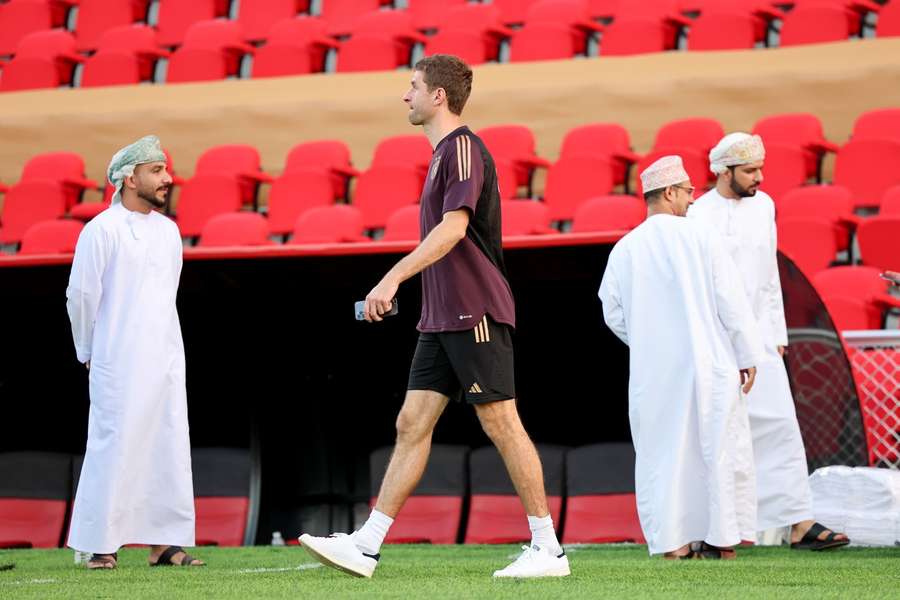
(461, 572)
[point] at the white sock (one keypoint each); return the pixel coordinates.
(543, 535)
(370, 536)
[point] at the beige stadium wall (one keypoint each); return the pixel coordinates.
(835, 81)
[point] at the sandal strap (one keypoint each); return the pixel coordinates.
(813, 533)
(166, 557)
(187, 560)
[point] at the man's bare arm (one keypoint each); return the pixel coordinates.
(434, 247)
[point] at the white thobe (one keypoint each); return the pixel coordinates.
(748, 228)
(135, 485)
(672, 294)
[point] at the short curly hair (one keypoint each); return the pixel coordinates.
(448, 72)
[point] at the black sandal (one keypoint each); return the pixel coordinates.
(811, 541)
(709, 552)
(104, 559)
(165, 559)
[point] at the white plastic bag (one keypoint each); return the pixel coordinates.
(863, 502)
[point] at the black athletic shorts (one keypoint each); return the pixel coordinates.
(477, 362)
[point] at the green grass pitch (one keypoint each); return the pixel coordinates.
(622, 571)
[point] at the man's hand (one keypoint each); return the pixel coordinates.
(87, 365)
(894, 276)
(378, 301)
(748, 376)
(781, 351)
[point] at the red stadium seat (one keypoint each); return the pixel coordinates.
(295, 46)
(514, 143)
(868, 168)
(138, 40)
(334, 224)
(203, 197)
(258, 17)
(27, 203)
(240, 161)
(890, 202)
(881, 124)
(433, 513)
(571, 181)
(176, 16)
(849, 314)
(403, 225)
(609, 213)
(784, 169)
(35, 488)
(506, 179)
(889, 20)
(64, 168)
(601, 507)
(367, 53)
(395, 25)
(196, 64)
(634, 36)
(382, 190)
(574, 14)
(814, 24)
(342, 14)
(513, 11)
(722, 31)
(57, 45)
(427, 14)
(854, 10)
(525, 217)
(20, 18)
(485, 20)
(695, 163)
(810, 242)
(496, 515)
(85, 211)
(467, 45)
(111, 68)
(878, 239)
(859, 283)
(220, 35)
(403, 151)
(699, 133)
(664, 12)
(21, 74)
(332, 156)
(602, 140)
(96, 16)
(542, 41)
(58, 236)
(294, 193)
(222, 483)
(235, 229)
(803, 130)
(830, 202)
(761, 15)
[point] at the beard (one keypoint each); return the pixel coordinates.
(743, 192)
(152, 199)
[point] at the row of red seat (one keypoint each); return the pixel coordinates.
(383, 40)
(594, 161)
(37, 490)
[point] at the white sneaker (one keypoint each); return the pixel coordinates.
(339, 551)
(537, 562)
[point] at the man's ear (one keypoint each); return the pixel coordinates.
(129, 182)
(440, 96)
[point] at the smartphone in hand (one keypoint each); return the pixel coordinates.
(891, 276)
(360, 307)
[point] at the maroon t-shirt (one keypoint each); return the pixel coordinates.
(470, 281)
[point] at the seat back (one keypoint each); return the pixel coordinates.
(294, 193)
(722, 31)
(33, 73)
(111, 68)
(601, 505)
(629, 36)
(881, 124)
(176, 16)
(878, 238)
(525, 217)
(240, 161)
(403, 151)
(403, 225)
(543, 41)
(203, 197)
(235, 229)
(27, 203)
(433, 513)
(382, 190)
(868, 168)
(334, 224)
(51, 237)
(222, 484)
(814, 24)
(602, 140)
(802, 130)
(258, 17)
(609, 213)
(35, 489)
(784, 169)
(196, 64)
(367, 53)
(571, 181)
(496, 514)
(96, 16)
(331, 156)
(809, 241)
